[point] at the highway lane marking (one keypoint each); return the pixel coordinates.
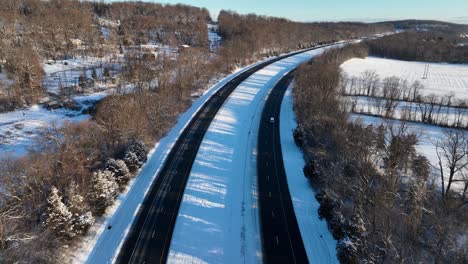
(277, 241)
(152, 235)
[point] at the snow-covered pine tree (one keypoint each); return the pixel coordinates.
(104, 190)
(58, 215)
(82, 218)
(120, 170)
(136, 154)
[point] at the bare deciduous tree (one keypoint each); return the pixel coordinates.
(452, 153)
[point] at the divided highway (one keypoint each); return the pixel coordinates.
(149, 238)
(281, 237)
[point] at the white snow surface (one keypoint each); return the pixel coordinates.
(218, 218)
(318, 241)
(442, 78)
(213, 37)
(102, 245)
(20, 128)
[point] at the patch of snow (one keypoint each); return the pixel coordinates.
(20, 128)
(105, 32)
(219, 210)
(318, 241)
(442, 79)
(214, 38)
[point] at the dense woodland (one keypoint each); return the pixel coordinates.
(430, 46)
(375, 191)
(253, 36)
(51, 196)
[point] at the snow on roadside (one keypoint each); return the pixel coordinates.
(102, 245)
(442, 78)
(318, 241)
(218, 218)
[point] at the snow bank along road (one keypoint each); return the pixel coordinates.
(281, 237)
(150, 236)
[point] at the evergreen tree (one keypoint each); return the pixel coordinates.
(119, 169)
(136, 154)
(104, 190)
(58, 215)
(82, 218)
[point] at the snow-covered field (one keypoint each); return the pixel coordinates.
(218, 218)
(318, 241)
(442, 78)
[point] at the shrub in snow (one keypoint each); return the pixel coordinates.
(328, 203)
(347, 251)
(104, 189)
(58, 215)
(299, 136)
(337, 226)
(311, 171)
(136, 154)
(119, 169)
(132, 161)
(82, 222)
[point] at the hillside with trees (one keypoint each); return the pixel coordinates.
(254, 36)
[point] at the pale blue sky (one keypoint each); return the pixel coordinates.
(332, 10)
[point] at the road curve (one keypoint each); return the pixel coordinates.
(149, 238)
(281, 237)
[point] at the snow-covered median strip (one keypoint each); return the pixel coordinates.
(218, 218)
(318, 241)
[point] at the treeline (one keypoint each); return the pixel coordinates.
(374, 189)
(252, 36)
(430, 46)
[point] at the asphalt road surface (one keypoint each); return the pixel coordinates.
(281, 237)
(150, 236)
